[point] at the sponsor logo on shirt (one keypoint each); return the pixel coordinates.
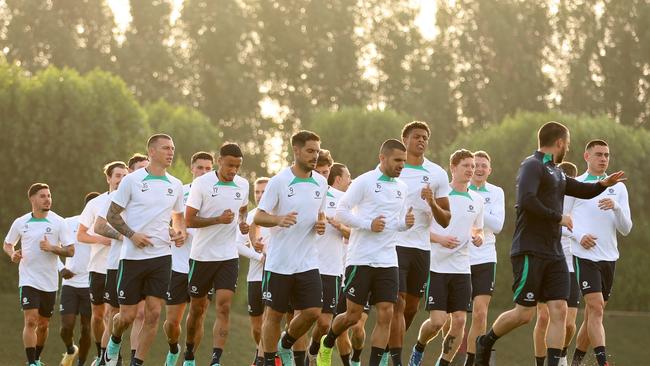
(145, 187)
(48, 229)
(530, 297)
(585, 285)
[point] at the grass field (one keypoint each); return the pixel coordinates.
(627, 333)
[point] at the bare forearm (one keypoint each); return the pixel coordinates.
(178, 222)
(8, 249)
(199, 222)
(117, 221)
(84, 237)
(67, 251)
(265, 219)
(102, 228)
(441, 215)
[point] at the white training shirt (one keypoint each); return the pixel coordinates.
(370, 195)
(417, 177)
(148, 202)
(255, 265)
(181, 256)
(37, 268)
(113, 257)
(589, 219)
(331, 245)
(77, 264)
(211, 197)
(466, 214)
(293, 250)
(88, 217)
(494, 214)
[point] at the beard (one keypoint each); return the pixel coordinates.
(560, 156)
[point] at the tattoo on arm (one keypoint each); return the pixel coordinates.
(102, 228)
(117, 221)
(449, 341)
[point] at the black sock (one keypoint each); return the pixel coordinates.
(563, 353)
(553, 356)
(420, 347)
(269, 358)
(39, 349)
(469, 361)
(133, 354)
(601, 355)
(99, 349)
(356, 355)
(442, 362)
(81, 362)
(102, 351)
(116, 339)
(173, 348)
(330, 338)
(539, 361)
(314, 347)
(578, 355)
(259, 360)
(216, 355)
(189, 351)
(299, 357)
(30, 352)
(70, 349)
(376, 354)
(137, 362)
(489, 339)
(345, 359)
(396, 356)
(287, 341)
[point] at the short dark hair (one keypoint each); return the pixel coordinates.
(551, 132)
(568, 168)
(415, 125)
(335, 171)
(136, 158)
(261, 180)
(324, 158)
(34, 188)
(596, 142)
(159, 136)
(230, 149)
(203, 155)
(90, 196)
(459, 155)
(110, 167)
(391, 144)
(482, 154)
(300, 138)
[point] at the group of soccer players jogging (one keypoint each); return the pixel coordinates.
(325, 250)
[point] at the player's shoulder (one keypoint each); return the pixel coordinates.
(321, 180)
(493, 188)
(22, 219)
(475, 196)
(53, 217)
(173, 180)
(241, 181)
(433, 168)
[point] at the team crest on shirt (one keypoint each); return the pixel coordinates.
(48, 230)
(238, 196)
(332, 204)
(317, 195)
(425, 179)
(399, 194)
(470, 208)
(145, 187)
(611, 192)
(487, 200)
(170, 191)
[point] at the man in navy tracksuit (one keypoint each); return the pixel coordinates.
(540, 270)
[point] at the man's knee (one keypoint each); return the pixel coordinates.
(311, 315)
(458, 320)
(384, 312)
(524, 314)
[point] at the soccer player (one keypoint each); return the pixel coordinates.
(483, 258)
(43, 236)
(374, 207)
(292, 205)
(331, 248)
(177, 295)
(141, 211)
(100, 246)
(449, 288)
(75, 297)
(595, 251)
(428, 187)
(541, 324)
(538, 262)
(102, 227)
(217, 207)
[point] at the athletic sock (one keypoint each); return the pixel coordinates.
(259, 361)
(116, 339)
(299, 357)
(314, 347)
(137, 362)
(578, 355)
(70, 349)
(563, 353)
(330, 338)
(539, 361)
(39, 349)
(553, 356)
(287, 341)
(376, 353)
(133, 354)
(173, 348)
(396, 356)
(469, 361)
(30, 352)
(420, 347)
(216, 355)
(189, 351)
(99, 349)
(356, 355)
(102, 351)
(442, 362)
(269, 358)
(345, 359)
(490, 339)
(601, 355)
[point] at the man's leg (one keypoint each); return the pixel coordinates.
(582, 341)
(194, 325)
(172, 327)
(340, 324)
(555, 334)
(595, 305)
(381, 331)
(84, 338)
(67, 332)
(29, 334)
(571, 316)
(42, 331)
(223, 301)
(152, 309)
(320, 329)
(138, 323)
(358, 339)
(539, 334)
(480, 306)
(430, 328)
(256, 334)
(270, 334)
(121, 322)
(398, 327)
(454, 338)
(98, 325)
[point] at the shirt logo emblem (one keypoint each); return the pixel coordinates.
(291, 192)
(48, 230)
(317, 195)
(238, 196)
(487, 199)
(399, 194)
(215, 191)
(425, 179)
(611, 191)
(145, 187)
(471, 208)
(170, 192)
(378, 188)
(332, 203)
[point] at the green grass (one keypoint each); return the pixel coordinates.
(627, 333)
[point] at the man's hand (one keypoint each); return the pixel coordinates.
(263, 260)
(66, 274)
(606, 204)
(320, 224)
(17, 256)
(104, 241)
(258, 246)
(449, 242)
(226, 217)
(410, 218)
(378, 224)
(45, 244)
(140, 240)
(334, 223)
(477, 240)
(244, 227)
(588, 241)
(614, 178)
(567, 222)
(288, 220)
(178, 237)
(427, 194)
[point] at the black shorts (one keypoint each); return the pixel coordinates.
(110, 289)
(449, 292)
(413, 270)
(32, 298)
(177, 290)
(217, 275)
(303, 290)
(97, 283)
(141, 278)
(483, 278)
(595, 276)
(365, 284)
(75, 301)
(539, 279)
(331, 288)
(255, 302)
(574, 295)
